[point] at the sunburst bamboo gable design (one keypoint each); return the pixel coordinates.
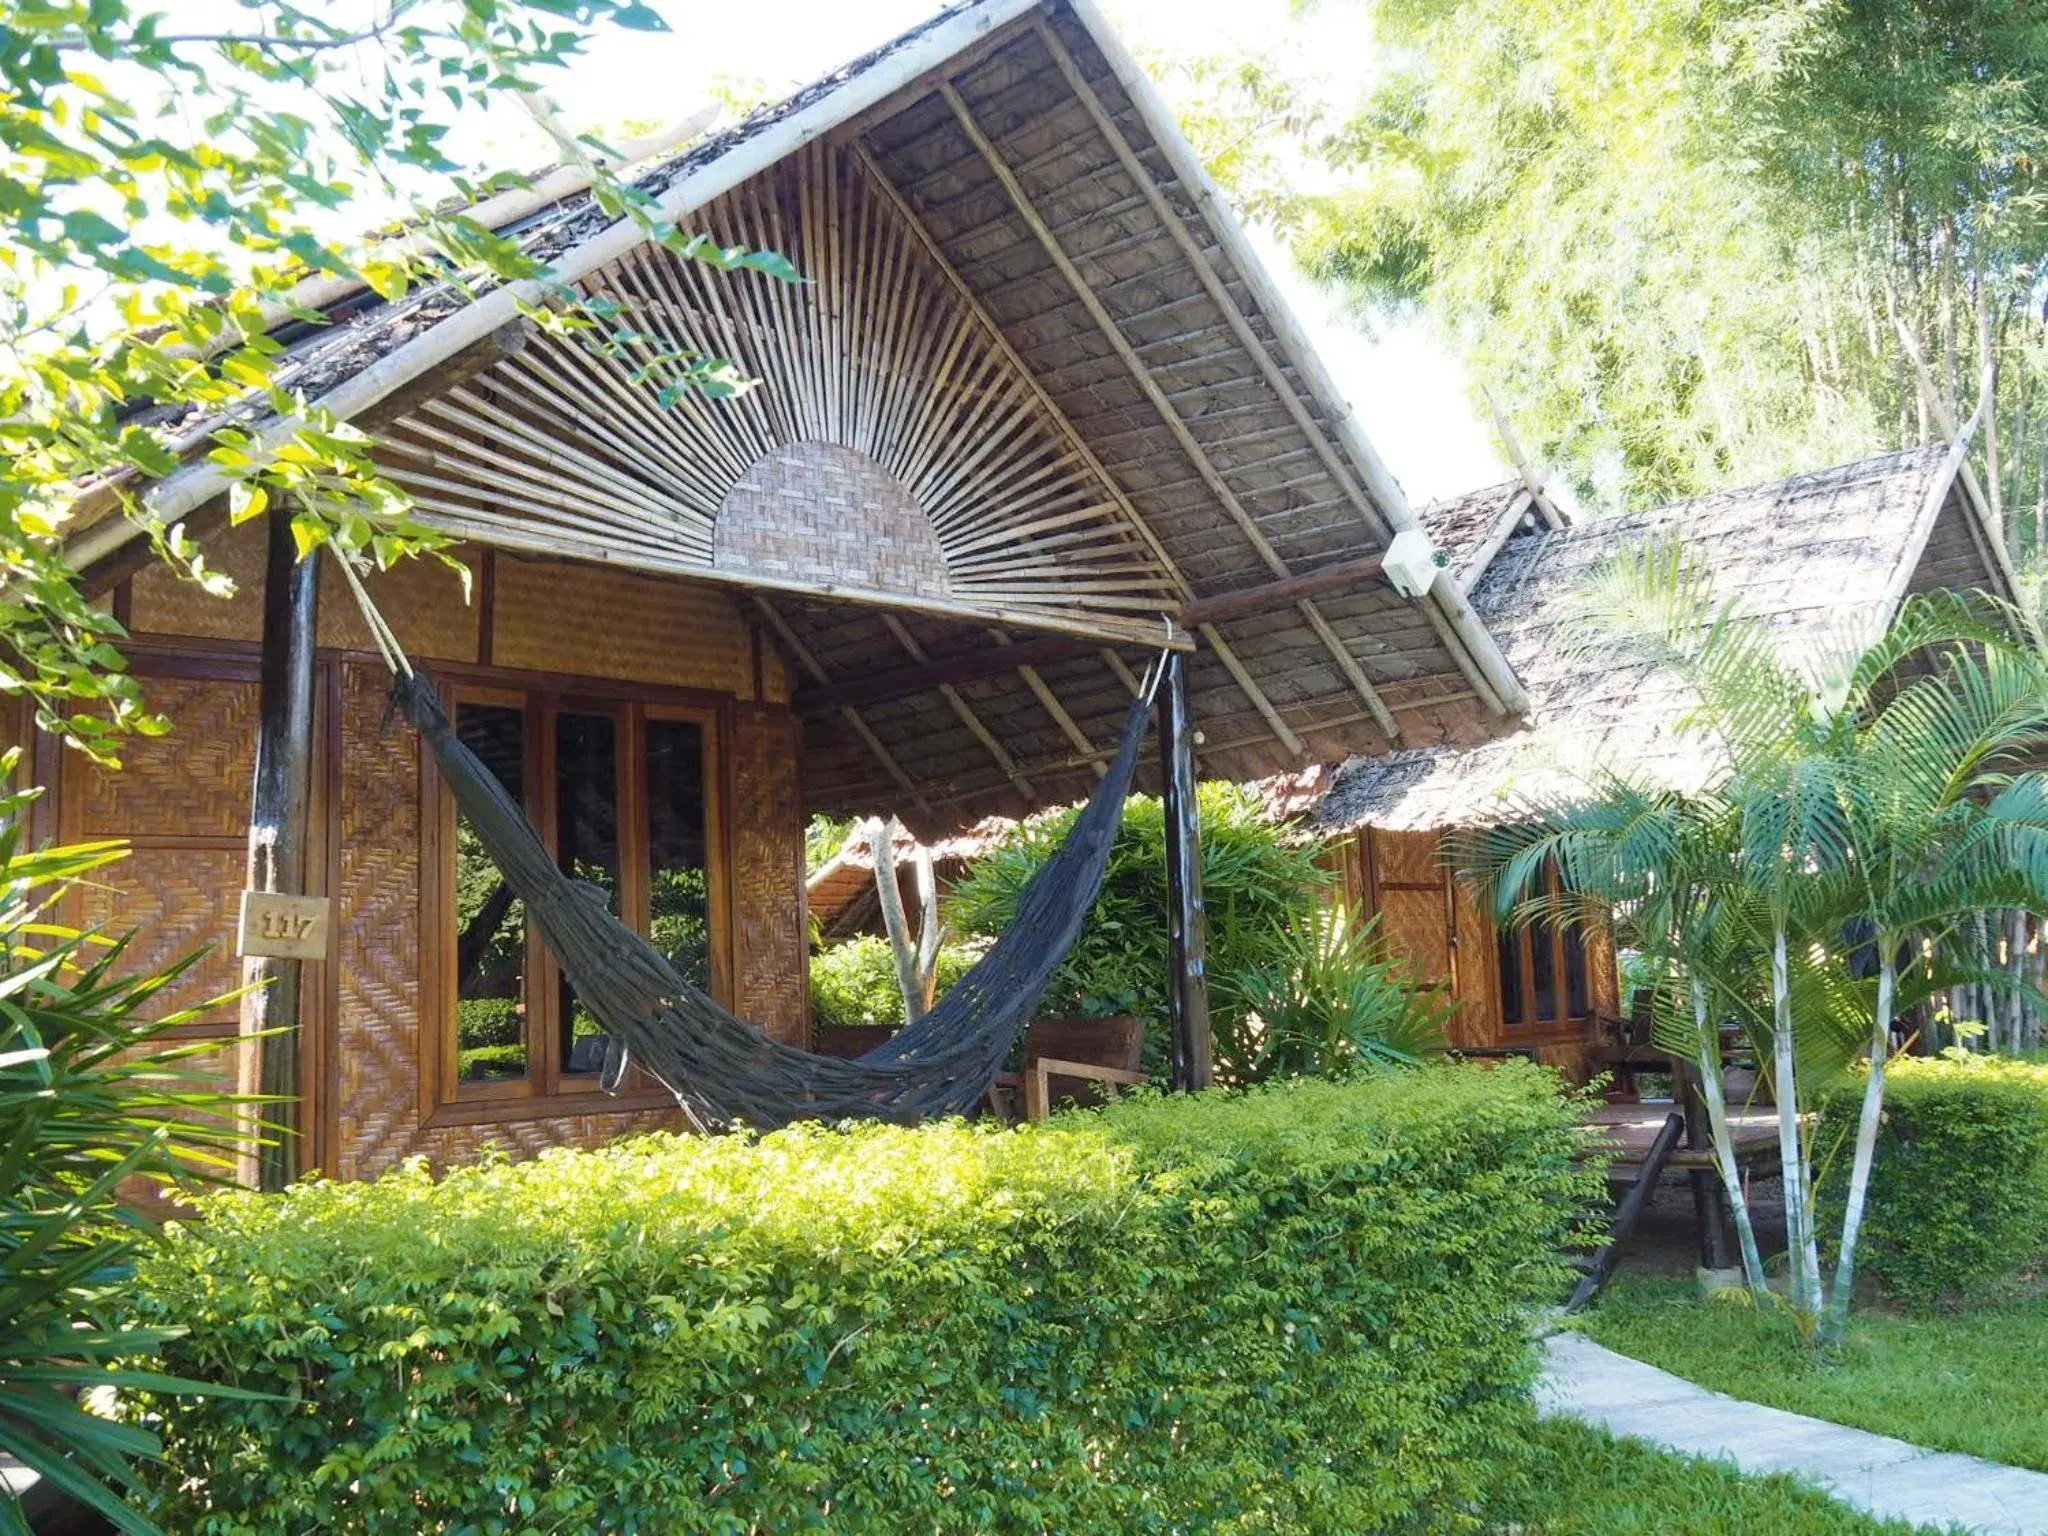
(881, 391)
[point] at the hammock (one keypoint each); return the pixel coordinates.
(723, 1070)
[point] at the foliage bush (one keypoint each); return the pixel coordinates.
(1334, 1000)
(855, 982)
(100, 1099)
(1259, 881)
(1959, 1201)
(1301, 1309)
(487, 1021)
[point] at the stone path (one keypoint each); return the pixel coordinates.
(1879, 1475)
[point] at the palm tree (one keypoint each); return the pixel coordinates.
(1663, 868)
(1880, 794)
(1943, 824)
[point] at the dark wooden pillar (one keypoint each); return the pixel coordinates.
(1187, 927)
(1709, 1200)
(278, 817)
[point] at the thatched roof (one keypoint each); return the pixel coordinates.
(1820, 557)
(840, 896)
(1038, 385)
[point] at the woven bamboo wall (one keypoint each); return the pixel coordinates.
(590, 621)
(423, 599)
(771, 984)
(182, 801)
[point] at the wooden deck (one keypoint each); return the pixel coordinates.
(1632, 1127)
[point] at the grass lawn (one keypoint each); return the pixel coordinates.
(1967, 1382)
(1583, 1482)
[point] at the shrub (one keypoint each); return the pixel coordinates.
(855, 982)
(1959, 1193)
(1303, 1309)
(491, 1021)
(1258, 879)
(1331, 1002)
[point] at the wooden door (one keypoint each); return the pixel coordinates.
(1431, 920)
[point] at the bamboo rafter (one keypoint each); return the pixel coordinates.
(879, 354)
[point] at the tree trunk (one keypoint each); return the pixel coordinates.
(1801, 1249)
(930, 935)
(1866, 1141)
(1714, 1096)
(882, 844)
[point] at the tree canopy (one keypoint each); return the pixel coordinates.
(1692, 245)
(164, 191)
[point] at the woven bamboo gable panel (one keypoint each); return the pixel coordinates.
(880, 391)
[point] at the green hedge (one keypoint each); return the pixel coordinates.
(1299, 1310)
(854, 982)
(1959, 1193)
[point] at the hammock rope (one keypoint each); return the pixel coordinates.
(724, 1071)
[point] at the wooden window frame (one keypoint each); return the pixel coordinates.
(1561, 935)
(547, 1091)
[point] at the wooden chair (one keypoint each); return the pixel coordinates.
(1083, 1060)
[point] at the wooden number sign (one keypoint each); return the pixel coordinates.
(284, 927)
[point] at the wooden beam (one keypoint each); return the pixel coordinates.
(1532, 476)
(1278, 594)
(964, 712)
(278, 828)
(1187, 923)
(1496, 538)
(1050, 703)
(895, 682)
(1249, 687)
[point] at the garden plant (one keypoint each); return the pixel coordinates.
(1825, 877)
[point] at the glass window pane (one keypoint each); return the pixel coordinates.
(1511, 1010)
(679, 902)
(587, 848)
(1543, 968)
(1577, 996)
(490, 922)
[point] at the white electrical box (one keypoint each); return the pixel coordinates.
(1412, 562)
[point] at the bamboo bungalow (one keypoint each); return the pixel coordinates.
(1036, 412)
(1819, 556)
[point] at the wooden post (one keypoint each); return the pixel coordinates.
(1631, 1207)
(1709, 1199)
(278, 816)
(1187, 928)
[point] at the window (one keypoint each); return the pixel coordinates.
(621, 792)
(1543, 972)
